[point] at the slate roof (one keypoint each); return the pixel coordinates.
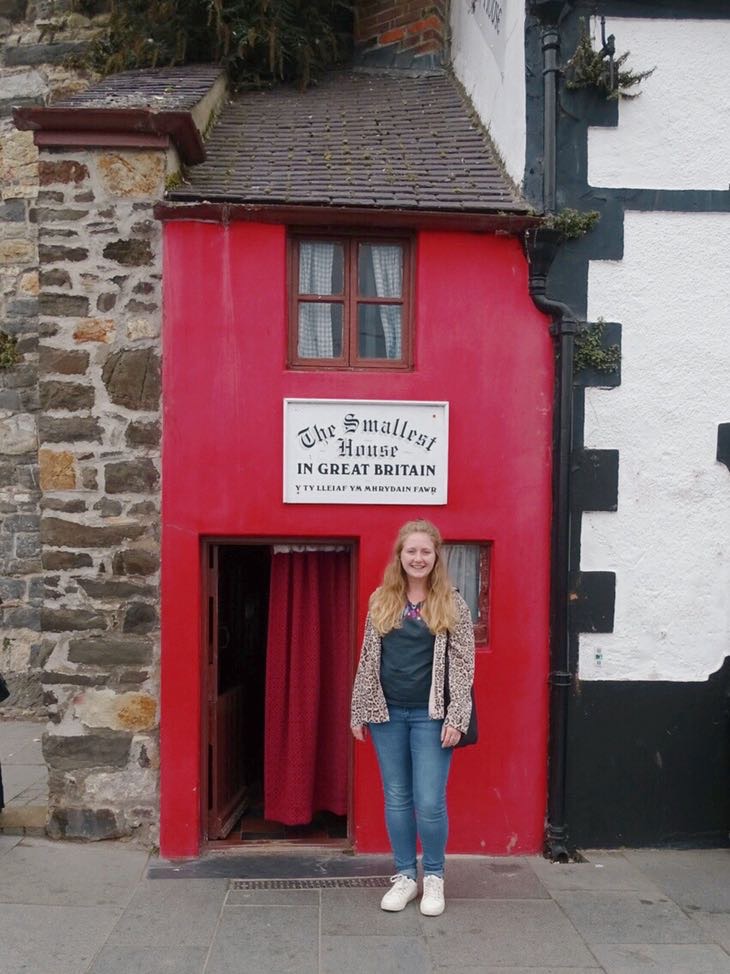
(356, 139)
(157, 89)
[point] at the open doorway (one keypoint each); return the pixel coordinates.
(278, 636)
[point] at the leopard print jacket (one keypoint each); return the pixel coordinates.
(368, 700)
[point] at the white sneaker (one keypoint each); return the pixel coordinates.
(432, 901)
(403, 890)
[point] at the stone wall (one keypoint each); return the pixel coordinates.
(99, 475)
(79, 442)
(35, 40)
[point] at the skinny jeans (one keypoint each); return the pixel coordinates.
(414, 768)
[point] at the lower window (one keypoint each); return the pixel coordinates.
(468, 567)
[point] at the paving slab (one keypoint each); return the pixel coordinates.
(601, 871)
(146, 960)
(266, 940)
(375, 955)
(628, 918)
(716, 925)
(697, 878)
(28, 751)
(348, 912)
(38, 871)
(530, 933)
(472, 877)
(18, 777)
(8, 842)
(15, 734)
(181, 914)
(518, 970)
(52, 940)
(273, 897)
(662, 959)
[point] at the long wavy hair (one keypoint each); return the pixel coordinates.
(388, 601)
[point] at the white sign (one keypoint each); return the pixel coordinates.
(358, 451)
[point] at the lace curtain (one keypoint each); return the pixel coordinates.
(463, 563)
(380, 275)
(315, 320)
(388, 273)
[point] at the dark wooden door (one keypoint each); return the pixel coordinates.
(227, 788)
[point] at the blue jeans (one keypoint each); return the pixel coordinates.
(414, 768)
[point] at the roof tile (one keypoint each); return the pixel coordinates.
(380, 140)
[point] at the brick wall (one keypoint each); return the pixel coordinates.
(402, 35)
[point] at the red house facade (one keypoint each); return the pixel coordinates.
(236, 306)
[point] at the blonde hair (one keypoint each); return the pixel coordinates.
(388, 601)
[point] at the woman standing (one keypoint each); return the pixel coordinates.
(415, 617)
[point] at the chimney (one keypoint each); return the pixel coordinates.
(405, 34)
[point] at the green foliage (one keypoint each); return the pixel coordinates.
(590, 352)
(259, 42)
(174, 180)
(268, 40)
(149, 34)
(572, 224)
(589, 68)
(9, 354)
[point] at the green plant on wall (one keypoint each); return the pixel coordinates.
(9, 354)
(259, 42)
(572, 224)
(602, 70)
(591, 353)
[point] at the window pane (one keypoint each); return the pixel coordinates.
(462, 564)
(380, 270)
(321, 267)
(379, 331)
(320, 330)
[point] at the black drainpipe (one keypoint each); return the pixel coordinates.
(541, 245)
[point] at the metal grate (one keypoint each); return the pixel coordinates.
(337, 882)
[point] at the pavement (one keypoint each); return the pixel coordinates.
(113, 908)
(68, 908)
(25, 775)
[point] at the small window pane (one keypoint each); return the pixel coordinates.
(380, 270)
(321, 268)
(463, 566)
(320, 330)
(379, 329)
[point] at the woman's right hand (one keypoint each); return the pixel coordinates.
(359, 731)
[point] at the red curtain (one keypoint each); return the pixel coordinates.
(307, 686)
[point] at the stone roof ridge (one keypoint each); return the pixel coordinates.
(176, 88)
(175, 104)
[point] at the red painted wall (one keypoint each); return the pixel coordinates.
(481, 345)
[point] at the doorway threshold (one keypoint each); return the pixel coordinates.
(277, 862)
(276, 845)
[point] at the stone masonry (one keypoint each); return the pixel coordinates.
(99, 473)
(80, 432)
(35, 40)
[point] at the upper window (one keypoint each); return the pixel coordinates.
(349, 302)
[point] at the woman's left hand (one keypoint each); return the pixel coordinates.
(450, 736)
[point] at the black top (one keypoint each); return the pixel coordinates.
(406, 662)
